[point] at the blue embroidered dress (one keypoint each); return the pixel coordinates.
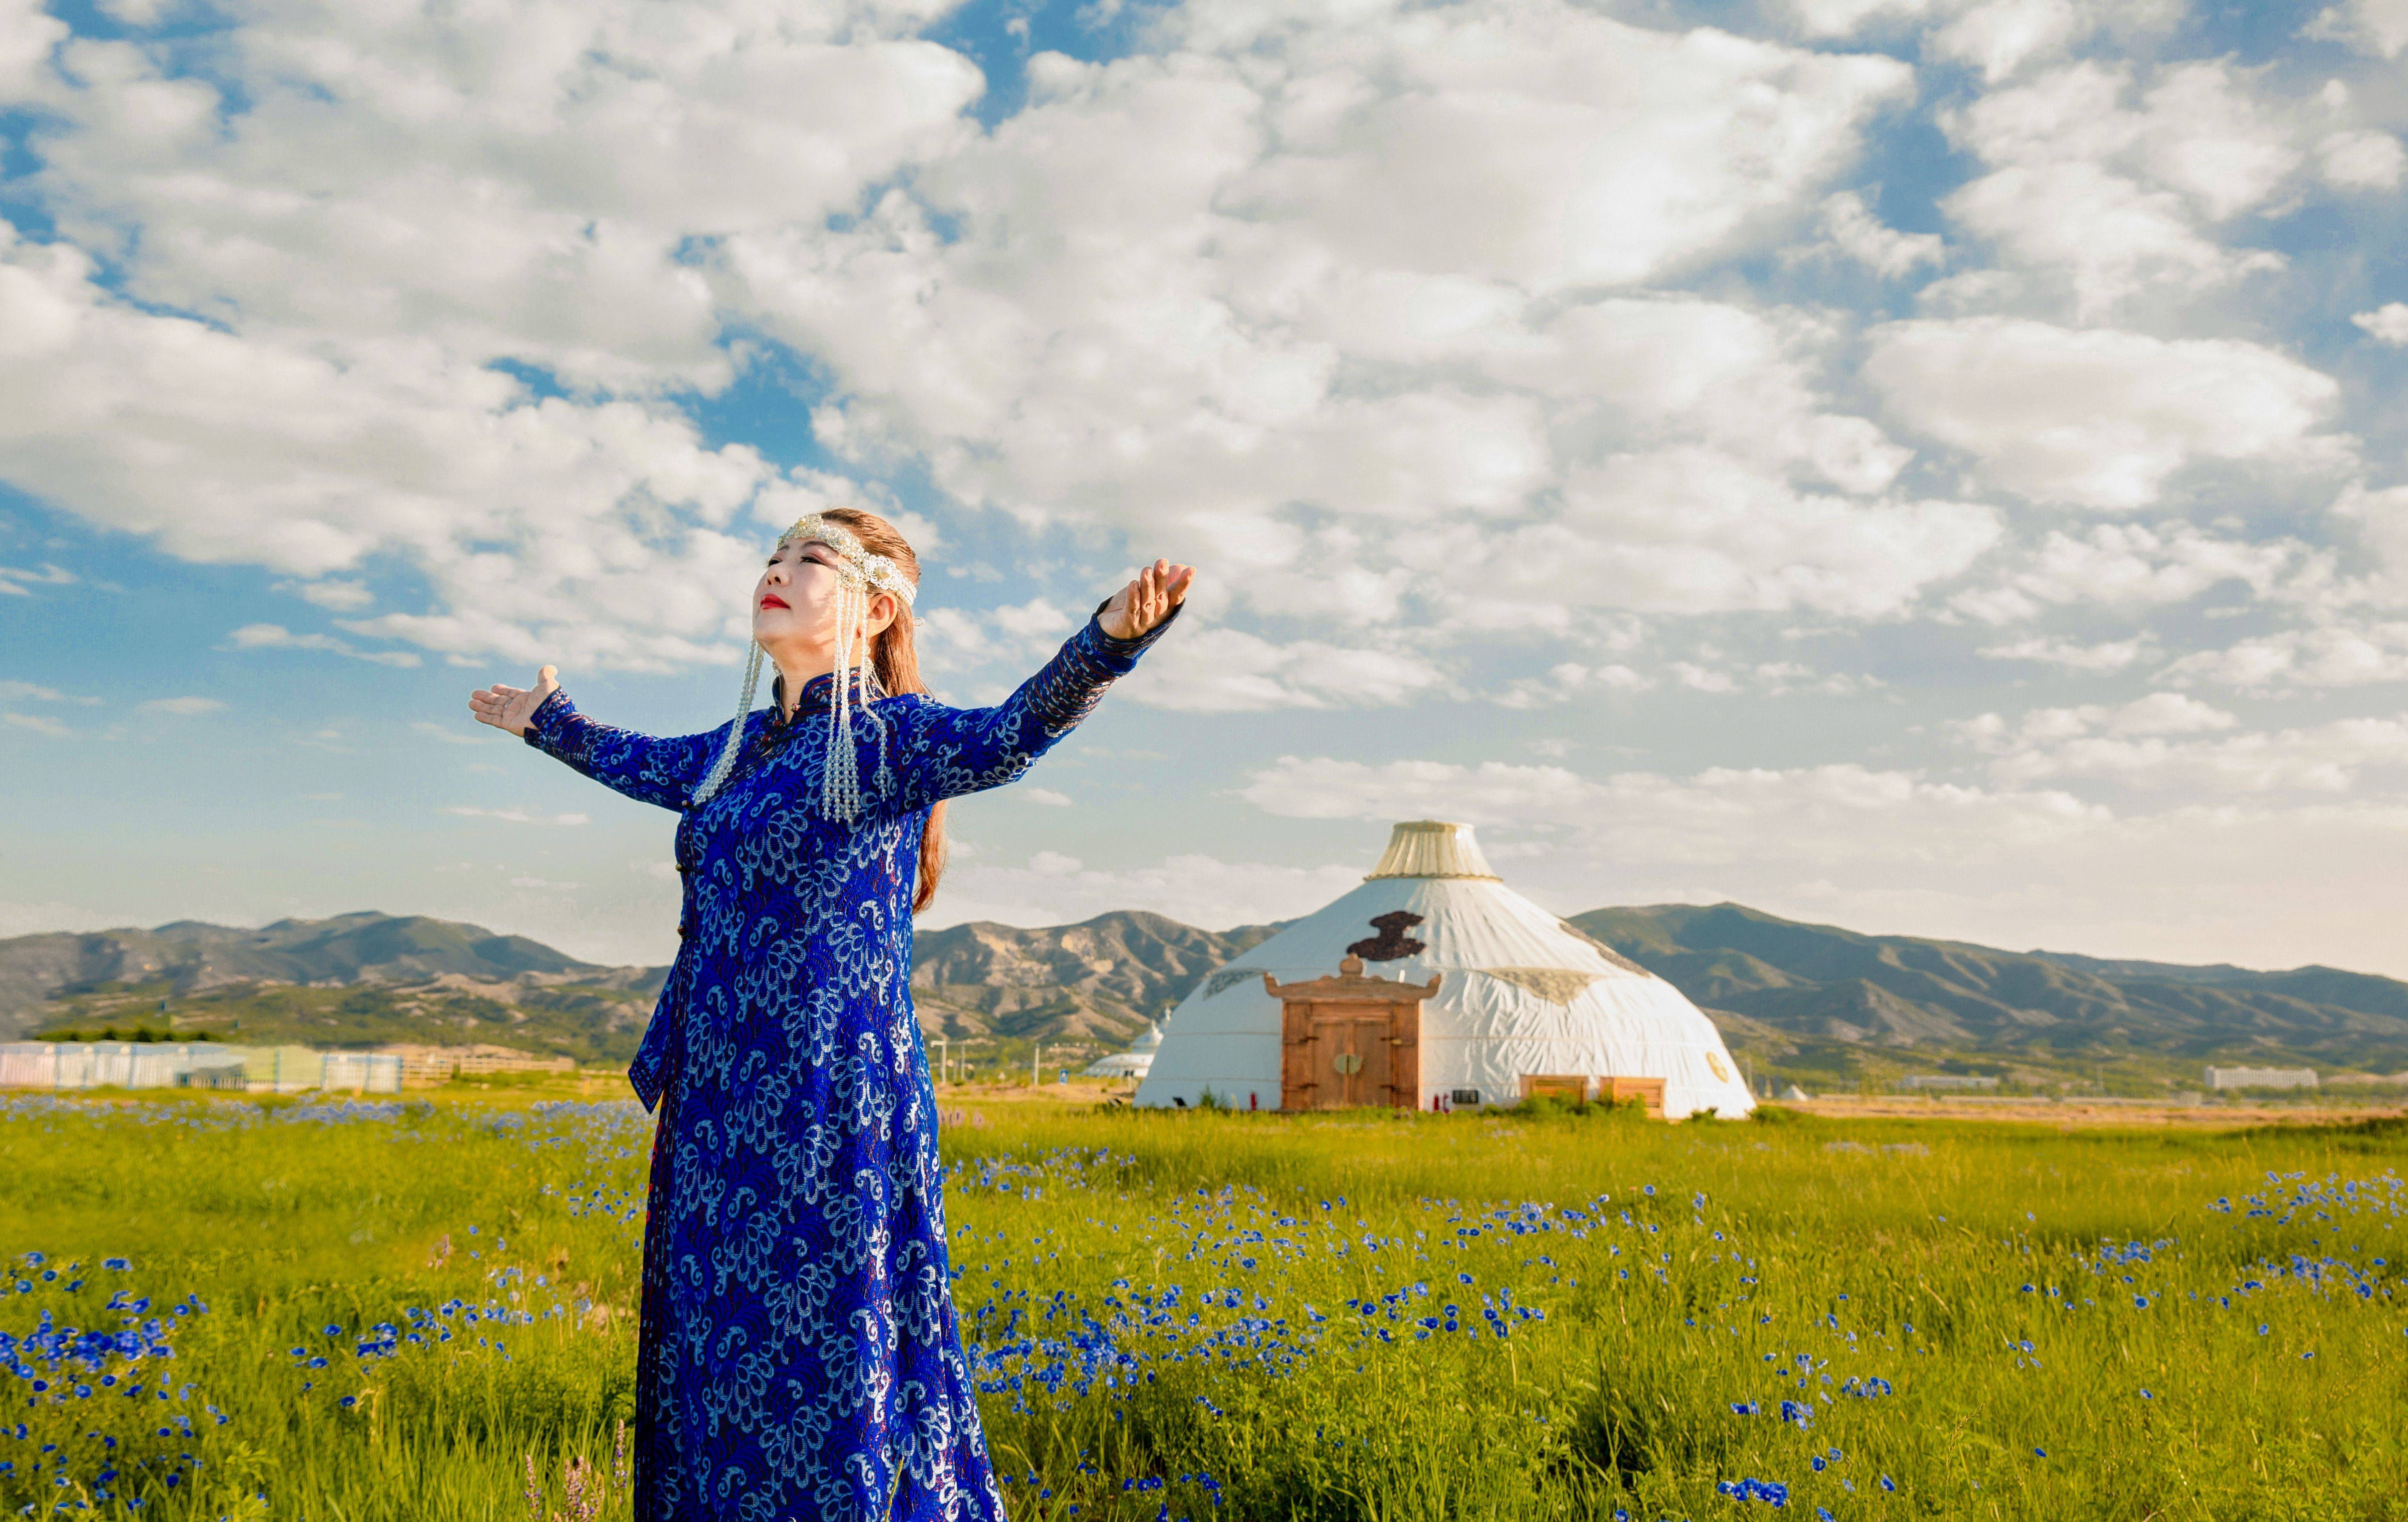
(798, 1357)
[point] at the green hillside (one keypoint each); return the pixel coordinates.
(1098, 982)
(590, 1024)
(1838, 1007)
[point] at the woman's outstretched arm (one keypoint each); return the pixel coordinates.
(950, 751)
(646, 769)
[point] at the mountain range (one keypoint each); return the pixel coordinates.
(1816, 1002)
(1837, 1002)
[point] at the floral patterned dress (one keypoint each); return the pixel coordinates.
(798, 1357)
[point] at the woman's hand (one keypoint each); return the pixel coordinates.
(511, 708)
(1139, 607)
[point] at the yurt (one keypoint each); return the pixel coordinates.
(1522, 1004)
(1134, 1063)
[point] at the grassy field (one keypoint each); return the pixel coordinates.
(398, 1311)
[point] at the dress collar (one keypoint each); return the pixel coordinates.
(818, 693)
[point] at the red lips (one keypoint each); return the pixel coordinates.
(773, 600)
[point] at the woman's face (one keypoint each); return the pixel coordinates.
(794, 604)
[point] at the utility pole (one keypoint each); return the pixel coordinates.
(944, 1061)
(1035, 1052)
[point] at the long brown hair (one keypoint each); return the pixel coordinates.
(896, 659)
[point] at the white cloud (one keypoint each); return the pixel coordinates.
(467, 733)
(2109, 235)
(337, 596)
(1044, 795)
(2130, 567)
(511, 183)
(21, 692)
(2073, 655)
(2116, 199)
(1711, 674)
(1569, 680)
(1300, 787)
(2206, 132)
(953, 640)
(277, 637)
(2327, 655)
(182, 707)
(2169, 714)
(2387, 323)
(14, 580)
(1226, 670)
(2157, 741)
(27, 35)
(369, 209)
(1289, 269)
(1845, 18)
(541, 522)
(1394, 134)
(38, 723)
(2377, 27)
(1686, 530)
(1851, 229)
(2362, 160)
(2096, 418)
(1717, 815)
(515, 816)
(1998, 37)
(2001, 36)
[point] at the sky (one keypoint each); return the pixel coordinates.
(1933, 466)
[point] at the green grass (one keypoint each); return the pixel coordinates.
(1099, 1254)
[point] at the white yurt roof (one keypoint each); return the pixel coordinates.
(1133, 1063)
(1522, 993)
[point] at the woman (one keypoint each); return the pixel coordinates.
(798, 1357)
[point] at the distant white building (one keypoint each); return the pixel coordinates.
(211, 1065)
(1134, 1063)
(1947, 1082)
(364, 1072)
(95, 1064)
(2261, 1078)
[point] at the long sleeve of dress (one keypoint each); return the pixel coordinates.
(954, 750)
(644, 767)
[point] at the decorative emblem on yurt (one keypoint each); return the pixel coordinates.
(1392, 942)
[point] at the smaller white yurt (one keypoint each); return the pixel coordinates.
(1524, 1003)
(1134, 1063)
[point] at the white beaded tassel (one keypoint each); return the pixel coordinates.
(727, 753)
(840, 781)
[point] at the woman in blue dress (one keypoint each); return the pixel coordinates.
(798, 1357)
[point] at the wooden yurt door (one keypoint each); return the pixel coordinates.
(1351, 1056)
(1349, 1039)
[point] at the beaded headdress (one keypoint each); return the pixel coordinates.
(858, 573)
